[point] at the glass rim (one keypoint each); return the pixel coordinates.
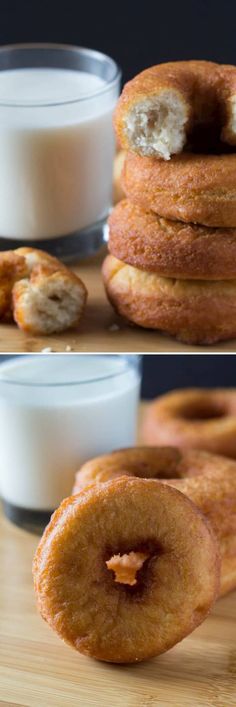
(94, 53)
(94, 379)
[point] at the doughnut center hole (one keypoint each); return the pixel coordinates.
(125, 567)
(201, 411)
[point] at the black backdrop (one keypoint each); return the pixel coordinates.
(163, 372)
(136, 34)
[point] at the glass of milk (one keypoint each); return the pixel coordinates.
(56, 147)
(55, 413)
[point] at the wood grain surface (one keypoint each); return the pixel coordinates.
(95, 332)
(38, 670)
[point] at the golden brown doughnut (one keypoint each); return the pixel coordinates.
(196, 312)
(209, 480)
(39, 292)
(170, 248)
(192, 188)
(195, 418)
(126, 618)
(160, 109)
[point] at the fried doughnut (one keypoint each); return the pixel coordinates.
(39, 292)
(196, 312)
(209, 480)
(93, 536)
(161, 109)
(193, 188)
(195, 418)
(170, 248)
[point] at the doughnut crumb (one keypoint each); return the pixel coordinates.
(126, 566)
(155, 127)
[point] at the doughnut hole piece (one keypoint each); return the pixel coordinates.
(156, 126)
(49, 302)
(176, 585)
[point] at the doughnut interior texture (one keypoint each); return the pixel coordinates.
(161, 107)
(208, 479)
(78, 594)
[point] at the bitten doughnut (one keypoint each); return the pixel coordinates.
(196, 312)
(117, 575)
(170, 248)
(209, 480)
(39, 292)
(193, 418)
(193, 188)
(161, 109)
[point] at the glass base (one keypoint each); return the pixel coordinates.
(33, 521)
(67, 248)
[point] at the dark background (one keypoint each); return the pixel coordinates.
(136, 34)
(163, 372)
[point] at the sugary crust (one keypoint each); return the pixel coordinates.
(170, 248)
(191, 188)
(205, 90)
(193, 418)
(118, 192)
(196, 312)
(208, 479)
(12, 268)
(77, 594)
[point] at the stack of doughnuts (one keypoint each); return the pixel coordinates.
(172, 241)
(134, 560)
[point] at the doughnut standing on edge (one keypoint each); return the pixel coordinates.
(209, 480)
(40, 293)
(126, 569)
(163, 107)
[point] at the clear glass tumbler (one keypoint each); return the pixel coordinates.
(56, 412)
(56, 147)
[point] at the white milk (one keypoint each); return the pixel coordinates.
(55, 160)
(47, 430)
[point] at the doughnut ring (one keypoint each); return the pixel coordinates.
(164, 107)
(191, 188)
(193, 419)
(208, 480)
(196, 312)
(170, 248)
(118, 577)
(39, 292)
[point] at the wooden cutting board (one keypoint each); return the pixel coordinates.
(38, 670)
(96, 331)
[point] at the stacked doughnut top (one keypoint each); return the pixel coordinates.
(173, 240)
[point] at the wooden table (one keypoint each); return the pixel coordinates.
(96, 330)
(38, 670)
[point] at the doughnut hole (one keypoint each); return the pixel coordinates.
(131, 568)
(200, 410)
(155, 126)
